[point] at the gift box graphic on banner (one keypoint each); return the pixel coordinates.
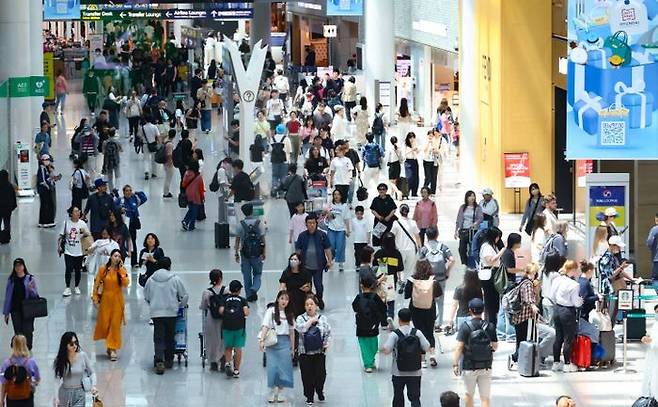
(639, 104)
(587, 112)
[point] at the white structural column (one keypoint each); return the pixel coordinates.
(379, 50)
(261, 23)
(469, 120)
(421, 57)
(21, 48)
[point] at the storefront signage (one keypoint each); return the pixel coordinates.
(49, 72)
(218, 13)
(517, 170)
(329, 31)
(26, 86)
(61, 10)
(612, 80)
(309, 6)
(583, 167)
(345, 7)
(603, 191)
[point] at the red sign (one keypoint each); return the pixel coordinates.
(517, 170)
(583, 167)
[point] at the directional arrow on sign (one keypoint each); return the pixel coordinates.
(122, 15)
(214, 13)
(169, 14)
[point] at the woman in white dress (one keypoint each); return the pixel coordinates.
(100, 250)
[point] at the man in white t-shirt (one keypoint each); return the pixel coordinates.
(151, 135)
(407, 241)
(282, 85)
(70, 245)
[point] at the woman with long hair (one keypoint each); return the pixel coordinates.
(394, 160)
(552, 265)
(338, 227)
(79, 183)
(312, 360)
(533, 206)
(362, 121)
(278, 318)
(21, 285)
(307, 133)
(599, 243)
(538, 237)
(212, 326)
(468, 221)
(120, 233)
(107, 295)
(297, 282)
(195, 191)
(489, 262)
(404, 117)
(74, 371)
(20, 356)
(70, 245)
(469, 289)
(316, 166)
(423, 318)
(411, 162)
(149, 256)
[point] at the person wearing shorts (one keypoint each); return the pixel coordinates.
(234, 310)
(473, 360)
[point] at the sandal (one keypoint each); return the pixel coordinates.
(433, 362)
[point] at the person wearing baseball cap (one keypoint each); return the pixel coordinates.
(46, 179)
(612, 269)
(99, 206)
(476, 343)
(490, 207)
(609, 221)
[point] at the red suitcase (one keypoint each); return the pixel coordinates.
(581, 354)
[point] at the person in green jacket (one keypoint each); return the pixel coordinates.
(91, 89)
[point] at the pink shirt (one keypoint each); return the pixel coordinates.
(425, 214)
(297, 225)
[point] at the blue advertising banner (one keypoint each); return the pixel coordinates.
(61, 9)
(344, 7)
(612, 80)
(604, 197)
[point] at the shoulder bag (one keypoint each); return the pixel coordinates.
(34, 307)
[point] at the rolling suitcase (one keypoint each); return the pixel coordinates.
(221, 236)
(528, 356)
(581, 355)
(636, 328)
(608, 342)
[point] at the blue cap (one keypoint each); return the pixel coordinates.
(476, 305)
(280, 129)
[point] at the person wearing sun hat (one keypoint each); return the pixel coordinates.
(46, 179)
(609, 217)
(490, 207)
(612, 268)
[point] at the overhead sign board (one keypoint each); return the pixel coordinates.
(167, 14)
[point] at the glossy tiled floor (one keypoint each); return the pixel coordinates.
(131, 382)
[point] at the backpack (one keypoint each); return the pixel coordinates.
(474, 252)
(408, 351)
(372, 155)
(435, 255)
(252, 244)
(548, 249)
(645, 401)
(512, 300)
(111, 155)
(313, 339)
(87, 144)
(422, 293)
(177, 156)
(161, 155)
(366, 316)
(214, 302)
(233, 317)
(18, 384)
(278, 154)
(378, 125)
(478, 353)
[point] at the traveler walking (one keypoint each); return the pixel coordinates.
(151, 135)
(99, 205)
(100, 250)
(195, 193)
(432, 159)
(212, 320)
(204, 95)
(107, 295)
(362, 120)
(407, 344)
(111, 158)
(370, 312)
(611, 270)
(79, 184)
(279, 157)
(422, 289)
(490, 256)
(567, 299)
(315, 333)
(361, 232)
(652, 244)
(149, 257)
(165, 294)
(19, 375)
(74, 373)
(533, 206)
(349, 97)
(468, 221)
(490, 208)
(550, 211)
(250, 251)
(390, 264)
(372, 154)
(407, 240)
(440, 258)
(341, 170)
(46, 179)
(411, 152)
(297, 282)
(425, 213)
(295, 189)
(473, 355)
(469, 289)
(394, 160)
(89, 141)
(234, 310)
(7, 206)
(383, 209)
(120, 233)
(338, 227)
(70, 245)
(279, 323)
(293, 126)
(129, 205)
(315, 250)
(134, 114)
(21, 285)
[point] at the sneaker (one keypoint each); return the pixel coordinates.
(236, 373)
(154, 176)
(309, 402)
(424, 364)
(113, 356)
(76, 291)
(321, 396)
(67, 292)
(272, 397)
(159, 368)
(368, 370)
(433, 361)
(438, 329)
(228, 370)
(169, 195)
(185, 227)
(556, 367)
(280, 398)
(214, 367)
(570, 368)
(146, 176)
(510, 362)
(340, 268)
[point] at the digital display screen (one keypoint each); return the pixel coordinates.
(61, 10)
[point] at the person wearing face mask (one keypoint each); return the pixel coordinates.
(296, 281)
(533, 206)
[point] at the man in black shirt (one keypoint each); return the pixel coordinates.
(241, 188)
(196, 83)
(234, 140)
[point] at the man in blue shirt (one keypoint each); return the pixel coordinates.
(42, 140)
(652, 244)
(314, 247)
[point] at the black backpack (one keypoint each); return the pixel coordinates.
(214, 302)
(478, 353)
(366, 316)
(233, 313)
(313, 339)
(177, 156)
(252, 246)
(378, 125)
(278, 154)
(408, 352)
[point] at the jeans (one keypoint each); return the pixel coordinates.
(412, 383)
(73, 264)
(431, 172)
(24, 326)
(61, 101)
(565, 332)
(411, 172)
(337, 241)
(190, 216)
(252, 271)
(317, 282)
(504, 325)
(279, 173)
(379, 139)
(163, 339)
(350, 191)
(206, 120)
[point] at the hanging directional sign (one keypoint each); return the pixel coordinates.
(167, 14)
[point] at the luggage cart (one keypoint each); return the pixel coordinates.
(180, 335)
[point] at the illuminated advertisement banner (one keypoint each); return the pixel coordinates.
(612, 80)
(61, 10)
(344, 7)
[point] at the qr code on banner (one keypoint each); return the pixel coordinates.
(613, 133)
(628, 15)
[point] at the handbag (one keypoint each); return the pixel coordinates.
(86, 241)
(361, 192)
(182, 200)
(500, 278)
(621, 51)
(270, 338)
(86, 383)
(153, 147)
(35, 308)
(618, 283)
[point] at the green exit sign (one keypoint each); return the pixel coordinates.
(27, 86)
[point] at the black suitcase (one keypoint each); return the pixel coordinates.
(636, 327)
(221, 236)
(403, 185)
